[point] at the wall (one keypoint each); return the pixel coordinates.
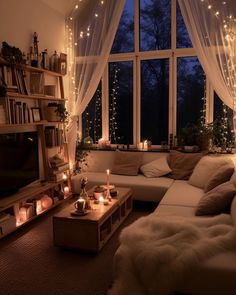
(20, 19)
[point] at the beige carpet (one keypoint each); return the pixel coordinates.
(30, 264)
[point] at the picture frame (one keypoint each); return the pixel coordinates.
(36, 114)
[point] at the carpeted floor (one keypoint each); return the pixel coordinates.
(30, 264)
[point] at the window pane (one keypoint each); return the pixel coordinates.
(121, 102)
(182, 37)
(223, 134)
(154, 100)
(190, 91)
(155, 24)
(124, 39)
(92, 117)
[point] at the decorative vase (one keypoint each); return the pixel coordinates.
(84, 195)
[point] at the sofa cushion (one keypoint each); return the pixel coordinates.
(144, 189)
(126, 163)
(156, 168)
(182, 164)
(205, 168)
(221, 175)
(217, 200)
(181, 193)
(175, 210)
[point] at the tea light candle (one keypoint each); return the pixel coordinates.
(101, 199)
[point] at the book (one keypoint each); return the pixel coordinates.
(55, 170)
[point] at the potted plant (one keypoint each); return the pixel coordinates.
(55, 112)
(188, 137)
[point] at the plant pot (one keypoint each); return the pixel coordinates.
(51, 114)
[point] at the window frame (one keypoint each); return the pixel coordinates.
(136, 57)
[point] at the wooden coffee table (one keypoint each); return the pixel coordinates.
(91, 232)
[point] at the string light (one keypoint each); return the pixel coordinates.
(113, 105)
(228, 23)
(74, 42)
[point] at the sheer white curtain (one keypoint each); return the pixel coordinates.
(212, 29)
(91, 29)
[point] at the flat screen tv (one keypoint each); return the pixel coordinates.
(19, 161)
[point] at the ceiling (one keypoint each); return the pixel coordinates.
(61, 6)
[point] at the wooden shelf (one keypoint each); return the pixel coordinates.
(34, 96)
(30, 69)
(18, 108)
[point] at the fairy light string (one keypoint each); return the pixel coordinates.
(228, 23)
(73, 42)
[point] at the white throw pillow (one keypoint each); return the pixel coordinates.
(205, 169)
(156, 168)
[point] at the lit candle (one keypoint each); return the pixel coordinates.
(101, 202)
(145, 145)
(66, 190)
(101, 199)
(64, 176)
(108, 175)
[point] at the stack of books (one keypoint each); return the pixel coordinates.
(56, 168)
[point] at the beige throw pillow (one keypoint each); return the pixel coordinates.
(206, 167)
(217, 200)
(156, 168)
(221, 175)
(182, 164)
(127, 163)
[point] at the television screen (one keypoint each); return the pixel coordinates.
(19, 161)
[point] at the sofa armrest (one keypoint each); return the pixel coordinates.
(233, 211)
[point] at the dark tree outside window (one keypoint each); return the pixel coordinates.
(154, 100)
(190, 91)
(182, 37)
(155, 25)
(124, 39)
(121, 102)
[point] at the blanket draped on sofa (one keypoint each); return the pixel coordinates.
(156, 251)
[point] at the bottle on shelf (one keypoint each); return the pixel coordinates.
(34, 61)
(44, 61)
(54, 62)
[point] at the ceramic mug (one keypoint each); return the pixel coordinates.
(80, 205)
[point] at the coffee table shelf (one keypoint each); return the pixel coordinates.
(92, 231)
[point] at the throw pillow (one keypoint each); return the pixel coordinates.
(221, 175)
(205, 169)
(217, 200)
(182, 164)
(156, 168)
(126, 163)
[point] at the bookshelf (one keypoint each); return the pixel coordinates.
(29, 103)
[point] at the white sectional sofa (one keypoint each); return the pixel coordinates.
(217, 275)
(144, 189)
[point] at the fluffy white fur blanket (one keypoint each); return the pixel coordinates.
(156, 251)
